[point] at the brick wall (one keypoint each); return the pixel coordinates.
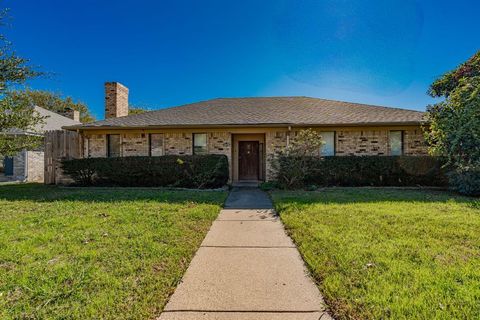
(134, 144)
(274, 141)
(358, 143)
(95, 145)
(116, 100)
(178, 143)
(220, 143)
(348, 142)
(19, 166)
(414, 142)
(35, 160)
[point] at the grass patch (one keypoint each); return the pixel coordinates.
(386, 253)
(77, 253)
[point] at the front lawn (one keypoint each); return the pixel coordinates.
(387, 253)
(78, 253)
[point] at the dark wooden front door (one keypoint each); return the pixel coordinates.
(248, 160)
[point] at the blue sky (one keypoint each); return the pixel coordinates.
(175, 52)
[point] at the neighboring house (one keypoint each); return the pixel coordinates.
(28, 165)
(249, 130)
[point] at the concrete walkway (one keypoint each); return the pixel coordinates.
(247, 268)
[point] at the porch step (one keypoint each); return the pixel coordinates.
(246, 184)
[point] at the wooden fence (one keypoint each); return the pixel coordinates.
(60, 144)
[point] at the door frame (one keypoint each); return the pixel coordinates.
(261, 151)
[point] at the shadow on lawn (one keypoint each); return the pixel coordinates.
(45, 193)
(372, 195)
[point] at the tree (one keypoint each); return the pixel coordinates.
(292, 164)
(137, 110)
(16, 113)
(57, 103)
(454, 124)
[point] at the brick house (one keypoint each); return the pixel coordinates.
(248, 130)
(28, 165)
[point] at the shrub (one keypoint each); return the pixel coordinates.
(369, 171)
(199, 171)
(291, 164)
(465, 181)
(268, 185)
(82, 171)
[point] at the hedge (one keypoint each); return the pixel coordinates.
(353, 171)
(198, 171)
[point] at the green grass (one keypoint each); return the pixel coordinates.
(77, 253)
(389, 253)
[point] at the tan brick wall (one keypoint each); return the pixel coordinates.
(178, 143)
(35, 167)
(116, 100)
(352, 141)
(220, 143)
(134, 144)
(362, 143)
(95, 145)
(274, 141)
(414, 142)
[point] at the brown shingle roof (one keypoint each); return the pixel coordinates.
(264, 111)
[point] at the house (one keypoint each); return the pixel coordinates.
(28, 165)
(249, 130)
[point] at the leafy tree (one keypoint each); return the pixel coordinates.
(454, 124)
(136, 110)
(16, 113)
(292, 164)
(56, 103)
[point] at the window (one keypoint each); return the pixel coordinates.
(199, 143)
(156, 144)
(113, 143)
(328, 147)
(396, 143)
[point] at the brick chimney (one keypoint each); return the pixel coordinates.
(116, 100)
(72, 114)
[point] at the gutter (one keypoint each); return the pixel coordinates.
(256, 125)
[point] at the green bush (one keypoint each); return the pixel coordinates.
(268, 185)
(370, 171)
(199, 171)
(465, 181)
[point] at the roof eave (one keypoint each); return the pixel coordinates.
(275, 125)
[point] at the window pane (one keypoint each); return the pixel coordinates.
(114, 145)
(395, 143)
(199, 143)
(328, 148)
(156, 144)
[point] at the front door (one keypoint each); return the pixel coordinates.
(248, 160)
